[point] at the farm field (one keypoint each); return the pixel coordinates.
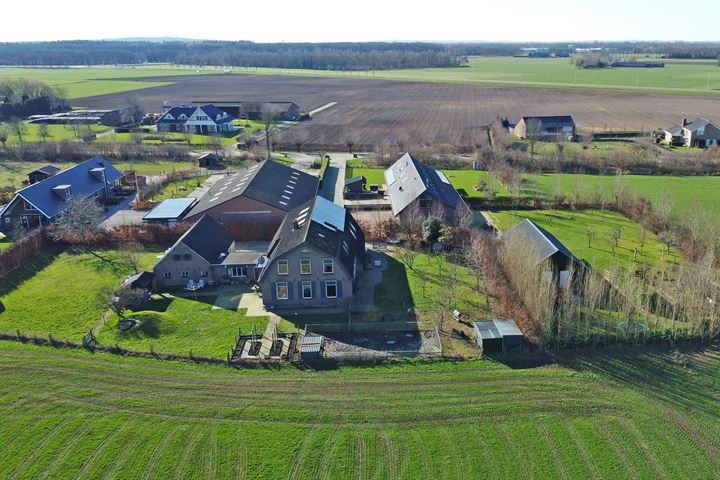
(570, 228)
(90, 81)
(376, 111)
(55, 293)
(685, 192)
(173, 324)
(75, 414)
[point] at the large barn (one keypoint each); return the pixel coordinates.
(252, 204)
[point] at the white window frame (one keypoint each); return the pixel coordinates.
(332, 266)
(204, 273)
(184, 274)
(309, 285)
(239, 270)
(309, 265)
(167, 275)
(279, 285)
(287, 267)
(333, 283)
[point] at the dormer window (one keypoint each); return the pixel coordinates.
(183, 117)
(63, 191)
(169, 117)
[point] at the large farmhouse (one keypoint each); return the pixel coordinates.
(701, 133)
(252, 204)
(195, 119)
(314, 258)
(546, 127)
(40, 203)
(415, 188)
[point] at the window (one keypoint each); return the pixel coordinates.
(7, 220)
(331, 289)
(176, 257)
(204, 273)
(184, 275)
(187, 256)
(306, 290)
(282, 267)
(328, 266)
(28, 205)
(237, 271)
(305, 267)
(167, 275)
(281, 290)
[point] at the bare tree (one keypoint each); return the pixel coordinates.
(533, 134)
(408, 257)
(135, 109)
(19, 128)
(614, 239)
(120, 299)
(642, 236)
(78, 221)
(270, 115)
(131, 256)
(349, 138)
(4, 134)
(590, 234)
(43, 131)
(410, 224)
(61, 94)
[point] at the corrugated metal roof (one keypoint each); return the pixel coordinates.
(539, 242)
(170, 208)
(311, 344)
(487, 330)
(507, 328)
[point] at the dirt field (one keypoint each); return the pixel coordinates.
(372, 111)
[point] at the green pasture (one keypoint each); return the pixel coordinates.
(73, 414)
(570, 227)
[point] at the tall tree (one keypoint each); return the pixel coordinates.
(270, 115)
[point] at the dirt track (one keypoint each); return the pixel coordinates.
(371, 111)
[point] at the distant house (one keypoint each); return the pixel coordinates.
(416, 188)
(40, 203)
(195, 119)
(42, 173)
(546, 127)
(252, 204)
(541, 246)
(701, 133)
(314, 259)
(250, 110)
(170, 212)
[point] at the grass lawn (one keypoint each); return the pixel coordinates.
(685, 192)
(179, 325)
(56, 133)
(570, 227)
(55, 293)
(72, 414)
(372, 175)
(4, 242)
(180, 188)
(402, 287)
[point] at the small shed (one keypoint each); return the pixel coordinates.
(355, 184)
(170, 211)
(495, 336)
(311, 346)
(209, 160)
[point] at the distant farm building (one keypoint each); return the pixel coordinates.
(250, 110)
(115, 117)
(209, 160)
(546, 127)
(622, 64)
(195, 119)
(701, 133)
(416, 188)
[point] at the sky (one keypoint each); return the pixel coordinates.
(363, 20)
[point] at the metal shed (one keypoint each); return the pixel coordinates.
(170, 211)
(497, 335)
(311, 346)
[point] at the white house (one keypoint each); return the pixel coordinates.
(195, 119)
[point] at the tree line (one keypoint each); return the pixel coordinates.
(21, 97)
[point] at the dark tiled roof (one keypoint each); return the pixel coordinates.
(407, 179)
(699, 123)
(82, 181)
(140, 280)
(675, 130)
(47, 170)
(552, 121)
(539, 242)
(207, 238)
(176, 112)
(268, 182)
(324, 225)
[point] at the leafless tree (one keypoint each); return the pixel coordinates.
(349, 138)
(4, 135)
(43, 131)
(590, 234)
(642, 236)
(614, 239)
(410, 224)
(120, 299)
(533, 134)
(408, 257)
(135, 109)
(61, 95)
(270, 115)
(131, 256)
(18, 128)
(78, 221)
